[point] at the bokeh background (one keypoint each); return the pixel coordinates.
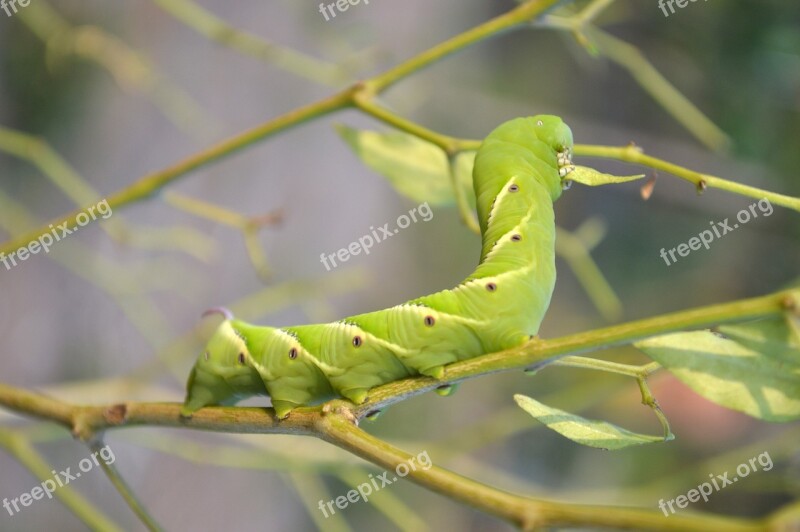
(112, 313)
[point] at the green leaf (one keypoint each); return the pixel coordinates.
(591, 177)
(592, 433)
(758, 373)
(777, 338)
(415, 168)
(463, 164)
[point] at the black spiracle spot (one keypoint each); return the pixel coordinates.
(293, 353)
(516, 238)
(491, 287)
(241, 358)
(429, 321)
(513, 188)
(357, 341)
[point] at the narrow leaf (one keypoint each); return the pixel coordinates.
(591, 177)
(592, 433)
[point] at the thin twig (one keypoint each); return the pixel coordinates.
(126, 492)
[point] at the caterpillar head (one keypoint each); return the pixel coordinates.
(540, 143)
(552, 131)
(221, 374)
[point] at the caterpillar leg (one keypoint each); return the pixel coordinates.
(437, 372)
(375, 414)
(430, 364)
(447, 389)
(283, 408)
(355, 395)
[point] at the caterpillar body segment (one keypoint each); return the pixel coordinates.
(518, 174)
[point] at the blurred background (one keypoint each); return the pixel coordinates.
(94, 95)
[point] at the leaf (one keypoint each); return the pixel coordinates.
(415, 168)
(777, 338)
(736, 374)
(592, 433)
(591, 177)
(463, 164)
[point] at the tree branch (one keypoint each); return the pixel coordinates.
(337, 421)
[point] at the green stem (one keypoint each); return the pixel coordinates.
(523, 13)
(538, 352)
(627, 56)
(649, 399)
(450, 145)
(640, 373)
(591, 11)
(579, 258)
(633, 154)
(659, 87)
(152, 183)
(602, 365)
(209, 25)
(126, 492)
(526, 513)
(335, 423)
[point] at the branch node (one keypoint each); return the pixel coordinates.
(340, 408)
(116, 414)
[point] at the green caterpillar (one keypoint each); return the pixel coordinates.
(519, 172)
